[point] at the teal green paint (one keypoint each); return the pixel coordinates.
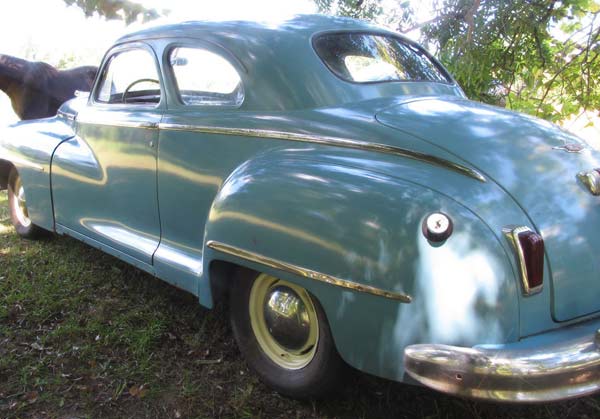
(520, 153)
(104, 182)
(34, 142)
(300, 212)
(155, 197)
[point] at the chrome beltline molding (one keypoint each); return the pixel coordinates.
(304, 272)
(331, 141)
(121, 124)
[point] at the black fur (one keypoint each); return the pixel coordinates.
(37, 89)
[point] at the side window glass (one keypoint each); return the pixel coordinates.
(205, 78)
(129, 77)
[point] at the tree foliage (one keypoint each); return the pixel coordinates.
(359, 9)
(537, 56)
(126, 10)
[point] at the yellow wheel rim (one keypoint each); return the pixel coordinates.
(284, 321)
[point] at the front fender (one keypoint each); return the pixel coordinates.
(29, 146)
(364, 227)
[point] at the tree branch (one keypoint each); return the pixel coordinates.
(470, 20)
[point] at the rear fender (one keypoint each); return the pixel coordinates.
(308, 222)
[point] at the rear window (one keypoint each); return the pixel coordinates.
(368, 58)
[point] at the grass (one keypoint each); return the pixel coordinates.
(85, 335)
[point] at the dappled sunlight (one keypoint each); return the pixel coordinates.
(292, 232)
(5, 251)
(432, 107)
(459, 289)
(6, 229)
(527, 158)
(453, 281)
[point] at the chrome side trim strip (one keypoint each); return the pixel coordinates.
(330, 141)
(170, 255)
(512, 235)
(304, 272)
(121, 124)
(62, 230)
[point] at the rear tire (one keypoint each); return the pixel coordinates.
(18, 208)
(283, 334)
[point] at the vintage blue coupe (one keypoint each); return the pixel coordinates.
(334, 181)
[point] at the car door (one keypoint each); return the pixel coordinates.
(104, 179)
(203, 83)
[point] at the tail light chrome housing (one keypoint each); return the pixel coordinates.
(528, 247)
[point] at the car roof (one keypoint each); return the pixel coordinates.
(277, 63)
(296, 26)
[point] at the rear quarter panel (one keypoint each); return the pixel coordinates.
(358, 224)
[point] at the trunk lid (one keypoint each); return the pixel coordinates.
(526, 157)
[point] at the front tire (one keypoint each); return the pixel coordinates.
(19, 214)
(284, 336)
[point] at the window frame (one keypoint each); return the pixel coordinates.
(113, 52)
(212, 48)
(398, 38)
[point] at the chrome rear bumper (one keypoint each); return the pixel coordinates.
(560, 365)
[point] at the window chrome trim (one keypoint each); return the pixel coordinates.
(104, 65)
(330, 141)
(304, 272)
(218, 51)
(384, 33)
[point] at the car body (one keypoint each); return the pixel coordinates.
(420, 235)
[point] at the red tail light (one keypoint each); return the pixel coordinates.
(533, 252)
(529, 250)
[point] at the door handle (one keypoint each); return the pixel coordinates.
(148, 125)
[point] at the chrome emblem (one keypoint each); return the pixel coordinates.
(591, 180)
(570, 148)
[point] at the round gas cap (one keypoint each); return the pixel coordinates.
(437, 227)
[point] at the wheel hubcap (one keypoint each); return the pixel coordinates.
(284, 321)
(287, 318)
(20, 204)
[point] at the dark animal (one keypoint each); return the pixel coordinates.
(37, 89)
